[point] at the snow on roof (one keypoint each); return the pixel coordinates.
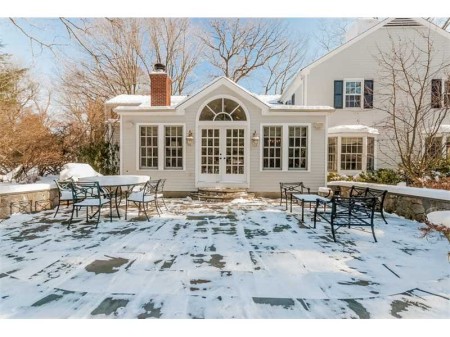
(357, 128)
(141, 100)
(269, 99)
(301, 107)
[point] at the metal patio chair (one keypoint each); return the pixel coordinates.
(64, 193)
(88, 195)
(148, 194)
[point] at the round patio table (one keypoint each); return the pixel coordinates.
(114, 184)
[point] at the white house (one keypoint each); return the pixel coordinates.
(350, 79)
(221, 136)
(225, 136)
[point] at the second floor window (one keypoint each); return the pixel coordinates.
(353, 93)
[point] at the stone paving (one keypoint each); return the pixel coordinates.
(243, 259)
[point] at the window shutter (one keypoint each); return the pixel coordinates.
(338, 94)
(293, 99)
(447, 94)
(436, 90)
(368, 94)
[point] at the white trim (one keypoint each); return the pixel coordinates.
(284, 147)
(297, 78)
(121, 128)
(361, 104)
(161, 147)
(364, 137)
(222, 125)
(213, 85)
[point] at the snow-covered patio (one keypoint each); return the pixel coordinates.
(244, 259)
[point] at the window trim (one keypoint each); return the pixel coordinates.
(365, 137)
(344, 95)
(161, 147)
(284, 147)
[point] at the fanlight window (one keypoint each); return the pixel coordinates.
(223, 109)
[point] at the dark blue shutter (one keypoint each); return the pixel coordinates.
(368, 94)
(338, 94)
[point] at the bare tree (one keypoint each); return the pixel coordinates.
(280, 70)
(173, 43)
(407, 71)
(331, 33)
(238, 48)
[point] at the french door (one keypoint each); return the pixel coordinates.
(222, 156)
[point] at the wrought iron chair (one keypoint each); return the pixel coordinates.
(286, 189)
(148, 194)
(64, 193)
(88, 195)
(160, 193)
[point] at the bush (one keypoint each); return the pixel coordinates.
(381, 176)
(333, 176)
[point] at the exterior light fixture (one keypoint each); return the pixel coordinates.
(189, 138)
(255, 139)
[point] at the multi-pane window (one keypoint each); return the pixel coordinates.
(223, 109)
(173, 147)
(370, 165)
(447, 147)
(351, 153)
(297, 150)
(210, 151)
(332, 154)
(235, 151)
(433, 146)
(352, 94)
(148, 147)
(272, 140)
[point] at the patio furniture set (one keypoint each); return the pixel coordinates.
(96, 192)
(357, 210)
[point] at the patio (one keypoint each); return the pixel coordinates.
(244, 259)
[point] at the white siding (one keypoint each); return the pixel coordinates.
(260, 181)
(360, 61)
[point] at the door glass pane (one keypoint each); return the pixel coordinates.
(210, 151)
(234, 163)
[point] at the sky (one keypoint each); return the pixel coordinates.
(304, 19)
(43, 62)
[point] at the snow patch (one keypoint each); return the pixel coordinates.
(357, 128)
(439, 218)
(77, 170)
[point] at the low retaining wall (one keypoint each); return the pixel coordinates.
(23, 199)
(410, 202)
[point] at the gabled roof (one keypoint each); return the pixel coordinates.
(222, 80)
(389, 22)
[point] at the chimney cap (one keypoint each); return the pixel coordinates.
(159, 67)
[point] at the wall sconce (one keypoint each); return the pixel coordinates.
(189, 138)
(318, 125)
(255, 139)
(129, 125)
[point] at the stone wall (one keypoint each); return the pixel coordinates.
(410, 207)
(30, 201)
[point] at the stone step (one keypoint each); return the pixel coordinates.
(221, 194)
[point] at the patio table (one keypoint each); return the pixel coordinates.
(114, 184)
(306, 198)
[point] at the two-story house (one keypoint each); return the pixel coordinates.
(352, 79)
(225, 136)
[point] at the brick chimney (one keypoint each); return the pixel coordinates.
(160, 86)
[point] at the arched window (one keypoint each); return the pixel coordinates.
(223, 109)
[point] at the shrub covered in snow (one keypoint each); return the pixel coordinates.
(77, 170)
